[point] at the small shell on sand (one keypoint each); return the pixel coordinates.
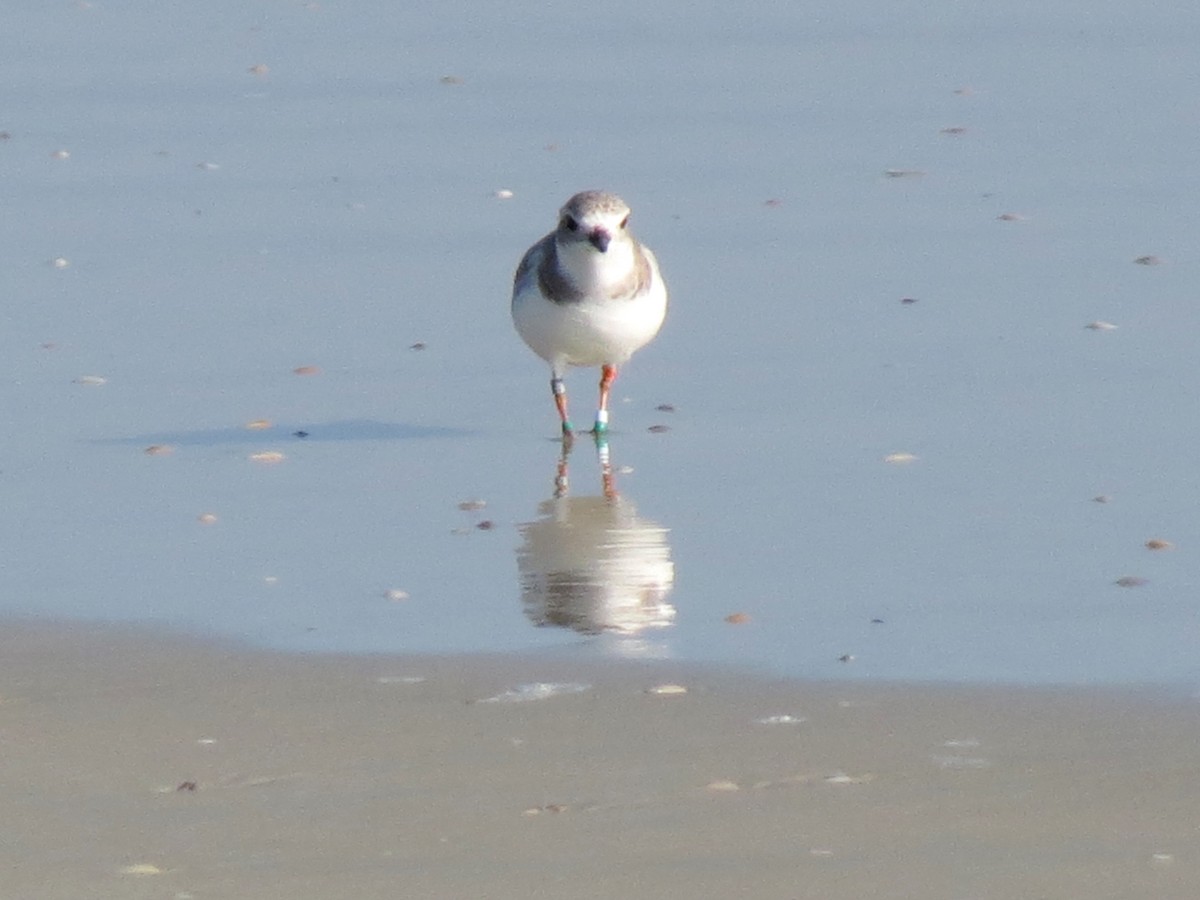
(268, 456)
(1159, 544)
(718, 787)
(538, 690)
(843, 778)
(548, 808)
(140, 869)
(667, 690)
(1130, 581)
(258, 425)
(737, 618)
(1100, 325)
(206, 519)
(306, 370)
(396, 595)
(91, 380)
(159, 450)
(900, 459)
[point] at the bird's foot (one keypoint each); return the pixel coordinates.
(568, 437)
(601, 426)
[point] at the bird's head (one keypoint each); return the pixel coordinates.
(594, 218)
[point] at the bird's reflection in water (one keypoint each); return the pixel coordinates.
(592, 564)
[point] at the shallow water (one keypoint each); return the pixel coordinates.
(217, 228)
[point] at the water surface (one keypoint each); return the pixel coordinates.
(235, 190)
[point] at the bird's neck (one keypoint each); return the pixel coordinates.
(588, 269)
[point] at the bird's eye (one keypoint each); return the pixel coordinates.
(570, 223)
(625, 221)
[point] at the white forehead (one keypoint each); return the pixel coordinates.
(595, 206)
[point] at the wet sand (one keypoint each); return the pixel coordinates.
(143, 766)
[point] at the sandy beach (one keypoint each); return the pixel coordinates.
(144, 766)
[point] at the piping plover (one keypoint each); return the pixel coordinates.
(588, 294)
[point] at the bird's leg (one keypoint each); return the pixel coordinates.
(608, 374)
(560, 400)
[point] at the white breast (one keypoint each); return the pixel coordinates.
(597, 329)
